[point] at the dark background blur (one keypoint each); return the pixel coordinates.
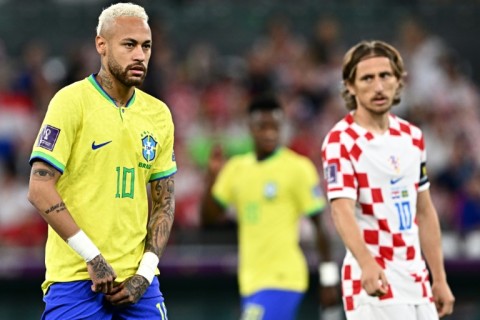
(209, 59)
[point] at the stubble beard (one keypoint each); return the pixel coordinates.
(121, 75)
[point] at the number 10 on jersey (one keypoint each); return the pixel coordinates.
(404, 215)
(125, 182)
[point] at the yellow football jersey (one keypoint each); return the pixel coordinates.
(270, 197)
(107, 156)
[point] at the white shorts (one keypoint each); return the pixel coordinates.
(394, 312)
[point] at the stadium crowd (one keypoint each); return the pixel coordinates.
(207, 93)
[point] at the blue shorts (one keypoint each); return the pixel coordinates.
(271, 305)
(76, 300)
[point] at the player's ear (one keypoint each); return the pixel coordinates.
(350, 88)
(101, 45)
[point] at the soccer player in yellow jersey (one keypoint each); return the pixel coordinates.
(270, 190)
(101, 143)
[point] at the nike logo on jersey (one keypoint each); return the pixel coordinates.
(394, 181)
(97, 146)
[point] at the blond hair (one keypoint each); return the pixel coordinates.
(366, 49)
(120, 10)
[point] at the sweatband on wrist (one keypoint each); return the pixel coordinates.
(82, 245)
(148, 266)
(329, 274)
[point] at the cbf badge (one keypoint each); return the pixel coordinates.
(149, 146)
(270, 190)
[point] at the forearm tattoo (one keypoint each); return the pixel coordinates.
(162, 215)
(56, 208)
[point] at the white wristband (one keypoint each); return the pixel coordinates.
(328, 273)
(82, 245)
(148, 266)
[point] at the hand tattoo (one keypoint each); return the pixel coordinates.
(136, 287)
(100, 267)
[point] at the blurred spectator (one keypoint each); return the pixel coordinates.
(469, 205)
(457, 99)
(421, 51)
(20, 225)
(281, 48)
(260, 77)
(81, 61)
(162, 66)
(31, 80)
(451, 179)
(326, 45)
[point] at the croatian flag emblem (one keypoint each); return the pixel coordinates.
(48, 137)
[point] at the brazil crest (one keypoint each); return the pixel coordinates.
(149, 148)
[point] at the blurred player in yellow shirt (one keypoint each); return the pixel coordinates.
(271, 189)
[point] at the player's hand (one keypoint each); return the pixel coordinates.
(443, 297)
(374, 280)
(128, 292)
(101, 273)
(216, 160)
(329, 296)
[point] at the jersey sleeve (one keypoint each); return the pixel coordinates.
(222, 188)
(58, 131)
(423, 183)
(309, 194)
(338, 169)
(165, 163)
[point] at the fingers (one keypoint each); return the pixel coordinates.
(377, 287)
(103, 285)
(444, 309)
(118, 301)
(102, 275)
(116, 289)
(383, 284)
(443, 297)
(116, 297)
(119, 296)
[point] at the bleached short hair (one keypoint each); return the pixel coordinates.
(120, 10)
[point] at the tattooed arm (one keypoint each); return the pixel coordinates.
(43, 195)
(158, 231)
(161, 217)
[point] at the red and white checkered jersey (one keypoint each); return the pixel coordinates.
(383, 174)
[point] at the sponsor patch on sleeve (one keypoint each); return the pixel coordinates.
(423, 174)
(48, 137)
(331, 173)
